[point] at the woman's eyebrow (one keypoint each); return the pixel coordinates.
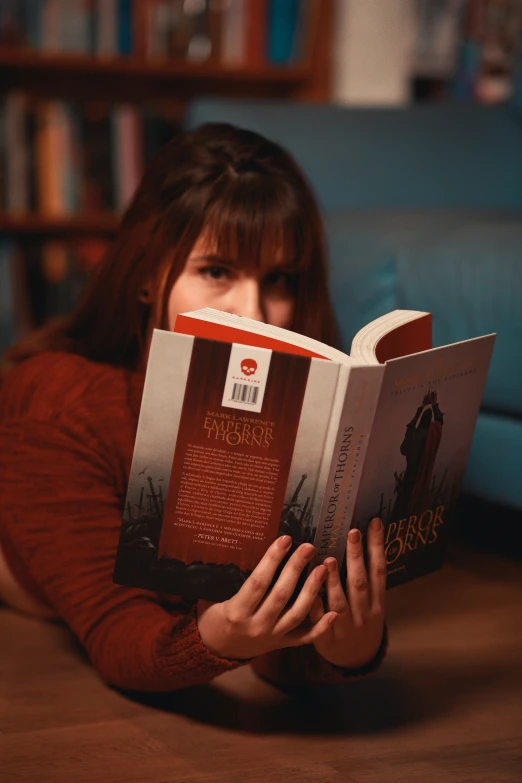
(212, 258)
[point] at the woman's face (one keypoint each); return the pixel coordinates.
(210, 281)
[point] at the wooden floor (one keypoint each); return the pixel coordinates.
(446, 707)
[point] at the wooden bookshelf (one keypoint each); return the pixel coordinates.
(171, 83)
(41, 226)
(158, 89)
(138, 79)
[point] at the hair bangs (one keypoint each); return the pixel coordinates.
(259, 228)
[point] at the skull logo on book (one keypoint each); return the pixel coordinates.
(248, 367)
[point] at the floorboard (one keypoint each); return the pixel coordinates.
(445, 708)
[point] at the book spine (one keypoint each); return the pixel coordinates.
(17, 196)
(32, 163)
(7, 310)
(305, 30)
(215, 26)
(50, 26)
(92, 26)
(34, 23)
(3, 156)
(70, 185)
(117, 155)
(137, 164)
(74, 26)
(13, 26)
(256, 24)
(233, 33)
(156, 130)
(106, 18)
(126, 142)
(57, 273)
(283, 16)
(159, 29)
(140, 27)
(98, 184)
(49, 157)
(124, 26)
(346, 447)
(60, 156)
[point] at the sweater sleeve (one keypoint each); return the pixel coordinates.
(61, 516)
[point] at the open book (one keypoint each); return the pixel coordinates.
(248, 431)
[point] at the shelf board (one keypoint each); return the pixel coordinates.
(41, 71)
(43, 226)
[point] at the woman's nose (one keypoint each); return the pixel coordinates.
(247, 300)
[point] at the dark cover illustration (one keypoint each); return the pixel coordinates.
(418, 451)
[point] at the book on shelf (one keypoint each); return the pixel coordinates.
(14, 311)
(48, 277)
(247, 432)
(61, 158)
(7, 296)
(233, 32)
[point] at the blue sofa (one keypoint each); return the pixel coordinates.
(423, 210)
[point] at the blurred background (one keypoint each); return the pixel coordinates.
(405, 114)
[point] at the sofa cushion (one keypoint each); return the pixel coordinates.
(493, 469)
(464, 267)
(515, 102)
(443, 155)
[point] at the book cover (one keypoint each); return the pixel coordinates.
(229, 454)
(321, 446)
(418, 450)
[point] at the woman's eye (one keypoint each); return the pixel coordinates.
(214, 272)
(279, 279)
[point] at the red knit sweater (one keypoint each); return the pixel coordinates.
(67, 428)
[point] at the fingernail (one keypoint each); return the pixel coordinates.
(376, 524)
(284, 542)
(355, 536)
(333, 618)
(309, 552)
(331, 564)
(319, 573)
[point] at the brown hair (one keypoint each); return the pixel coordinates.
(234, 185)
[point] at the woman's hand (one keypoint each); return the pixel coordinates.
(253, 621)
(355, 637)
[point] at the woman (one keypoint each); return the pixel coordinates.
(225, 219)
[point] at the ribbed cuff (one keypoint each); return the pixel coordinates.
(183, 657)
(340, 674)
